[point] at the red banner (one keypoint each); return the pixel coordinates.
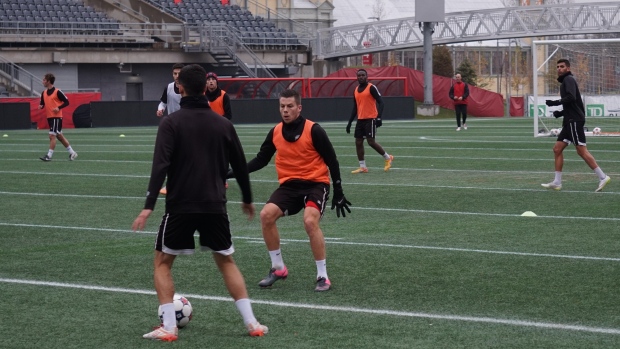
(481, 101)
(516, 106)
(38, 115)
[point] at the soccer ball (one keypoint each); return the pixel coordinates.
(596, 131)
(182, 308)
(554, 131)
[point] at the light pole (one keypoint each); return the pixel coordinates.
(509, 77)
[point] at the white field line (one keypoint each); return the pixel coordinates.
(273, 166)
(6, 147)
(334, 242)
(408, 210)
(460, 158)
(348, 183)
(487, 320)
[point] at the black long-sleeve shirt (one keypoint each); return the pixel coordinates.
(291, 132)
(194, 148)
(570, 97)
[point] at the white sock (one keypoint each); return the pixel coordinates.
(245, 309)
(386, 156)
(50, 152)
(321, 269)
(169, 316)
(70, 150)
(363, 164)
(601, 175)
(558, 177)
(276, 259)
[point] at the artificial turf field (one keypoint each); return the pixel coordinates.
(435, 253)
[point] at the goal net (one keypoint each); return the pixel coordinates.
(595, 63)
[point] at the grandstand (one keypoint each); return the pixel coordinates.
(114, 38)
(259, 33)
(63, 17)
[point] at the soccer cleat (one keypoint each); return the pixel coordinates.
(552, 186)
(458, 128)
(603, 183)
(322, 284)
(159, 333)
(72, 156)
(257, 330)
(464, 126)
(388, 163)
(163, 191)
(45, 158)
(273, 276)
(360, 170)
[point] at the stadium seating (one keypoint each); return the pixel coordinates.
(63, 16)
(255, 31)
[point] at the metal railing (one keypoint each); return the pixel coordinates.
(219, 37)
(304, 32)
(17, 77)
(77, 31)
(480, 25)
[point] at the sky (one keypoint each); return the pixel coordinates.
(347, 12)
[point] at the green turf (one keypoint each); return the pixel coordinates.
(435, 253)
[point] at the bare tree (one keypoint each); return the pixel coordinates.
(378, 10)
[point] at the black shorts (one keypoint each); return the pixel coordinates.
(55, 125)
(573, 133)
(176, 233)
(365, 128)
(293, 197)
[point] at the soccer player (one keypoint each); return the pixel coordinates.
(170, 100)
(304, 154)
(184, 150)
(367, 107)
(171, 97)
(53, 100)
(459, 93)
(218, 99)
(574, 120)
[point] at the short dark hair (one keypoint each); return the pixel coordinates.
(50, 77)
(178, 66)
(193, 79)
(291, 93)
(565, 61)
(359, 70)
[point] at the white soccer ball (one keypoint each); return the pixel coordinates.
(182, 308)
(596, 131)
(554, 131)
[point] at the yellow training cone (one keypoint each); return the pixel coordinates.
(528, 214)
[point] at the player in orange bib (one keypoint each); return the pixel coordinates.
(53, 100)
(305, 159)
(219, 101)
(368, 108)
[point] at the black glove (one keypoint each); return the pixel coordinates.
(379, 122)
(349, 128)
(340, 203)
(557, 114)
(230, 174)
(551, 103)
